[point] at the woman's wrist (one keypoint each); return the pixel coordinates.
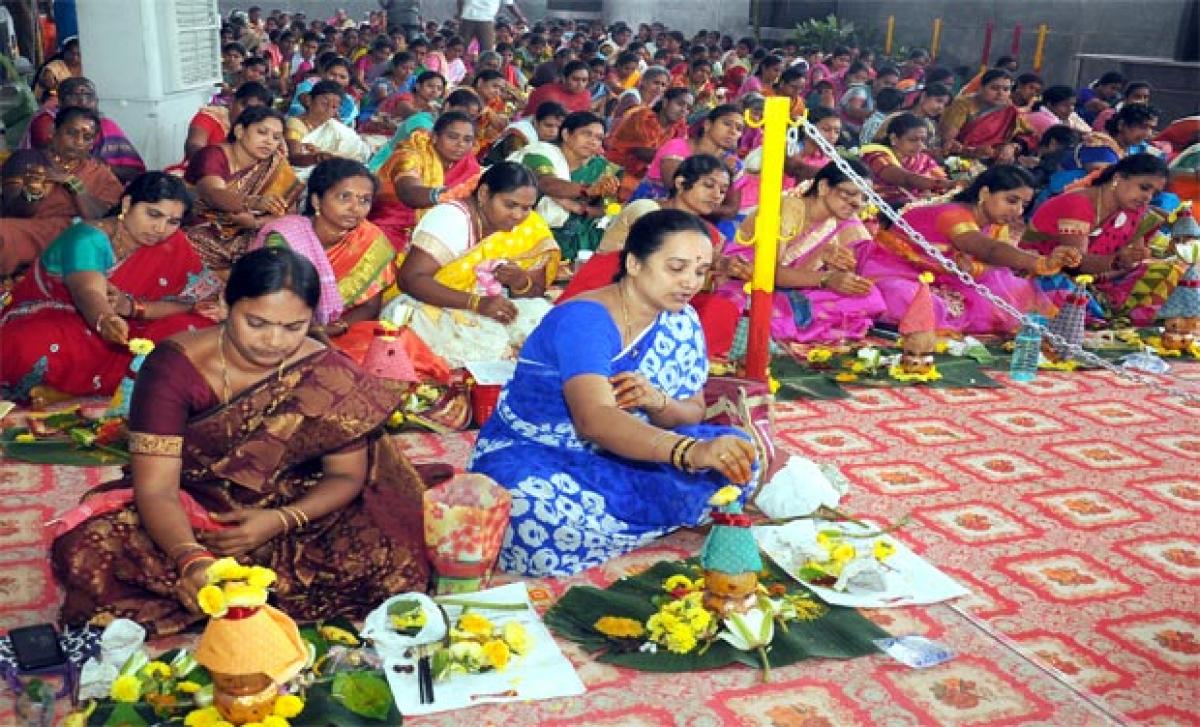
(525, 288)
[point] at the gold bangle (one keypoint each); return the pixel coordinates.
(178, 550)
(658, 440)
(287, 525)
(528, 285)
(473, 301)
(301, 517)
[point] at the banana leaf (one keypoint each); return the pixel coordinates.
(57, 451)
(839, 633)
(801, 380)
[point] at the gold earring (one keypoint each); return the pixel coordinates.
(120, 217)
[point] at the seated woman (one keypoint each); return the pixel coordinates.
(493, 118)
(571, 91)
(407, 112)
(99, 285)
(462, 99)
(982, 125)
(112, 146)
(240, 186)
(353, 256)
(44, 189)
(67, 63)
(424, 170)
(904, 171)
(328, 504)
(719, 136)
(333, 68)
(375, 118)
(650, 87)
(575, 180)
(1056, 107)
(463, 255)
(818, 296)
(598, 434)
(700, 185)
(634, 142)
(317, 134)
(1111, 223)
(971, 230)
(1127, 132)
(211, 125)
(543, 126)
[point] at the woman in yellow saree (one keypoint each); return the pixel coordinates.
(464, 257)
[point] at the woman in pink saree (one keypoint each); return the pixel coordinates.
(972, 230)
(819, 297)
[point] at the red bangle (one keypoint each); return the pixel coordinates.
(183, 563)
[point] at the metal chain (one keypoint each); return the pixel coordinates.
(1072, 350)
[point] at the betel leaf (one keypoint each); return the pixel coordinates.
(125, 715)
(322, 709)
(365, 693)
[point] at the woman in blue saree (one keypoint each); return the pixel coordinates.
(598, 434)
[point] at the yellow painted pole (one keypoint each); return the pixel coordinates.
(1041, 46)
(776, 119)
(937, 38)
(891, 31)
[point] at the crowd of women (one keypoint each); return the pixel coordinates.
(345, 175)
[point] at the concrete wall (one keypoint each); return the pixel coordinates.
(729, 16)
(433, 9)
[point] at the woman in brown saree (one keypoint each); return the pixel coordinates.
(241, 185)
(44, 189)
(254, 441)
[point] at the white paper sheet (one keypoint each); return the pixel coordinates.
(543, 673)
(491, 373)
(912, 580)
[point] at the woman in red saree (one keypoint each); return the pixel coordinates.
(425, 169)
(250, 440)
(571, 91)
(211, 125)
(634, 142)
(982, 125)
(134, 275)
(44, 189)
(240, 185)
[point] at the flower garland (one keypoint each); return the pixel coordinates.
(899, 374)
(479, 645)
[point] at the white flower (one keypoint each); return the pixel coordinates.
(749, 631)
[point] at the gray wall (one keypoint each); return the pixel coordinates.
(433, 9)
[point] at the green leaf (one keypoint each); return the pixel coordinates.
(365, 693)
(124, 715)
(322, 708)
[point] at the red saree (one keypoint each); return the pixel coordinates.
(44, 340)
(639, 129)
(983, 128)
(23, 239)
(263, 450)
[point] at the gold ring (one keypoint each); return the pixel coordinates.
(722, 457)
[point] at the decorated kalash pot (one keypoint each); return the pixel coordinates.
(730, 557)
(1185, 230)
(918, 332)
(249, 648)
(1068, 324)
(1180, 313)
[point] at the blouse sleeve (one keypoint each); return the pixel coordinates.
(585, 340)
(443, 233)
(955, 221)
(85, 249)
(538, 164)
(208, 162)
(168, 391)
(296, 129)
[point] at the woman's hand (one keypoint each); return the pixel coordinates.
(213, 310)
(732, 456)
(633, 391)
(847, 283)
(1064, 256)
(839, 258)
(251, 528)
(513, 277)
(573, 206)
(246, 220)
(605, 186)
(1006, 153)
(269, 204)
(734, 267)
(1131, 255)
(114, 329)
(190, 583)
(119, 301)
(498, 308)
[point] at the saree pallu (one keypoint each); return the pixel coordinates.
(894, 263)
(979, 127)
(1136, 293)
(878, 157)
(23, 240)
(112, 146)
(575, 505)
(811, 314)
(458, 336)
(334, 137)
(218, 240)
(45, 341)
(416, 157)
(262, 450)
(573, 232)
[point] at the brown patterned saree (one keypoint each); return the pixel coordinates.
(262, 450)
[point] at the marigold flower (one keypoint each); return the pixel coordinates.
(926, 277)
(475, 625)
(207, 717)
(337, 635)
(245, 596)
(187, 687)
(261, 577)
(288, 706)
(882, 550)
(681, 639)
(724, 496)
(819, 355)
(497, 654)
(1084, 279)
(212, 601)
(126, 688)
(141, 346)
(227, 569)
(843, 552)
(157, 670)
(617, 627)
(274, 720)
(845, 377)
(612, 209)
(679, 581)
(516, 637)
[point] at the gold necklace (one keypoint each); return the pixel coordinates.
(225, 388)
(627, 330)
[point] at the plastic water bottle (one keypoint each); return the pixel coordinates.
(1028, 349)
